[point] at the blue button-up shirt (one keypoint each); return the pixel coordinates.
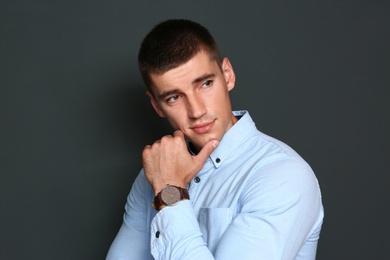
(255, 198)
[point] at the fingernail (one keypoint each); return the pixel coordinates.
(215, 144)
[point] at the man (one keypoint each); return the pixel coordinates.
(220, 188)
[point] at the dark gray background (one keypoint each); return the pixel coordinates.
(74, 115)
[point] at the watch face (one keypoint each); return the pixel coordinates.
(170, 195)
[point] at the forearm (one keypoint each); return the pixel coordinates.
(175, 234)
(178, 233)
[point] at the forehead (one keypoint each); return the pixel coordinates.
(187, 73)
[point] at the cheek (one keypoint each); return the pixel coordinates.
(221, 103)
(176, 119)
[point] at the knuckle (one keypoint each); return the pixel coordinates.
(146, 149)
(178, 133)
(166, 138)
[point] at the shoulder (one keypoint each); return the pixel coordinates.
(280, 175)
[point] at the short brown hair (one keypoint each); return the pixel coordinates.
(172, 43)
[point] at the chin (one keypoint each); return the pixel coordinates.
(202, 141)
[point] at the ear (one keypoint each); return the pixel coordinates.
(228, 72)
(155, 105)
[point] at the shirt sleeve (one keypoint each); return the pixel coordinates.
(280, 215)
(175, 234)
(132, 240)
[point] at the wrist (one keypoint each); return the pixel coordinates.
(158, 188)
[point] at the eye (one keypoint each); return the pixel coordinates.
(207, 84)
(172, 99)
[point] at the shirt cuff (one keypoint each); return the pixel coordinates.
(173, 229)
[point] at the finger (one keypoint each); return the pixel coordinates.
(178, 133)
(146, 151)
(207, 149)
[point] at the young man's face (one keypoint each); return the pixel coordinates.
(194, 98)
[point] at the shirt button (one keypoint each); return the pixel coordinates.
(197, 179)
(157, 234)
(218, 160)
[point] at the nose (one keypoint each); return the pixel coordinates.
(195, 106)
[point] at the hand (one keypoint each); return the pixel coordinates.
(168, 161)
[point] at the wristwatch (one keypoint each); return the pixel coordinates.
(170, 195)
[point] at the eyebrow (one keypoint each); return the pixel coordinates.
(194, 82)
(167, 93)
(203, 77)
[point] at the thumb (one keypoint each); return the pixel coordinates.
(207, 149)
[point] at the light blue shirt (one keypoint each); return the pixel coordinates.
(255, 198)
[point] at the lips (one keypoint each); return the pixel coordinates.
(203, 128)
